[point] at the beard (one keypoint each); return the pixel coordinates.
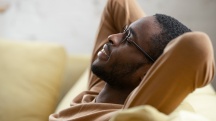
(119, 76)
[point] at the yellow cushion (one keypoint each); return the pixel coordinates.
(75, 66)
(187, 116)
(77, 88)
(149, 113)
(30, 77)
(140, 113)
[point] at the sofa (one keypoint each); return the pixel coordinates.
(40, 78)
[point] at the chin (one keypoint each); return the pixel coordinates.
(116, 76)
(99, 70)
(109, 78)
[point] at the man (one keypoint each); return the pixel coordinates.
(136, 66)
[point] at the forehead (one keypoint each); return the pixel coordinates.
(145, 28)
(146, 25)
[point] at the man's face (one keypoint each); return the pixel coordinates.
(121, 64)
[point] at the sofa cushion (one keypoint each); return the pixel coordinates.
(149, 113)
(140, 113)
(30, 77)
(203, 101)
(77, 88)
(75, 66)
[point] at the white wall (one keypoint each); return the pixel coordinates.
(73, 23)
(199, 15)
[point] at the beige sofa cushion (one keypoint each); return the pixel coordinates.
(203, 101)
(140, 113)
(30, 77)
(77, 88)
(149, 113)
(75, 66)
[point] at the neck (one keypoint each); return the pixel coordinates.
(112, 95)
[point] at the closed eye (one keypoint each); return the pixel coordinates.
(126, 36)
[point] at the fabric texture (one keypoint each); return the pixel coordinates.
(186, 64)
(31, 75)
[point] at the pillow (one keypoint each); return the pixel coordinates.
(140, 113)
(187, 116)
(30, 77)
(149, 113)
(203, 104)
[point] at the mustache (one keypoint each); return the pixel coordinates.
(109, 46)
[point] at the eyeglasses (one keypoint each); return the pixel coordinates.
(128, 39)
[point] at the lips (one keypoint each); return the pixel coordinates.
(103, 54)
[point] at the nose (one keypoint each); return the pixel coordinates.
(115, 39)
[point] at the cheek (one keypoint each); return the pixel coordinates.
(124, 51)
(123, 56)
(129, 56)
(119, 56)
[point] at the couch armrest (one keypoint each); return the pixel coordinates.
(77, 88)
(75, 67)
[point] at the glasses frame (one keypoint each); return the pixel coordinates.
(126, 28)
